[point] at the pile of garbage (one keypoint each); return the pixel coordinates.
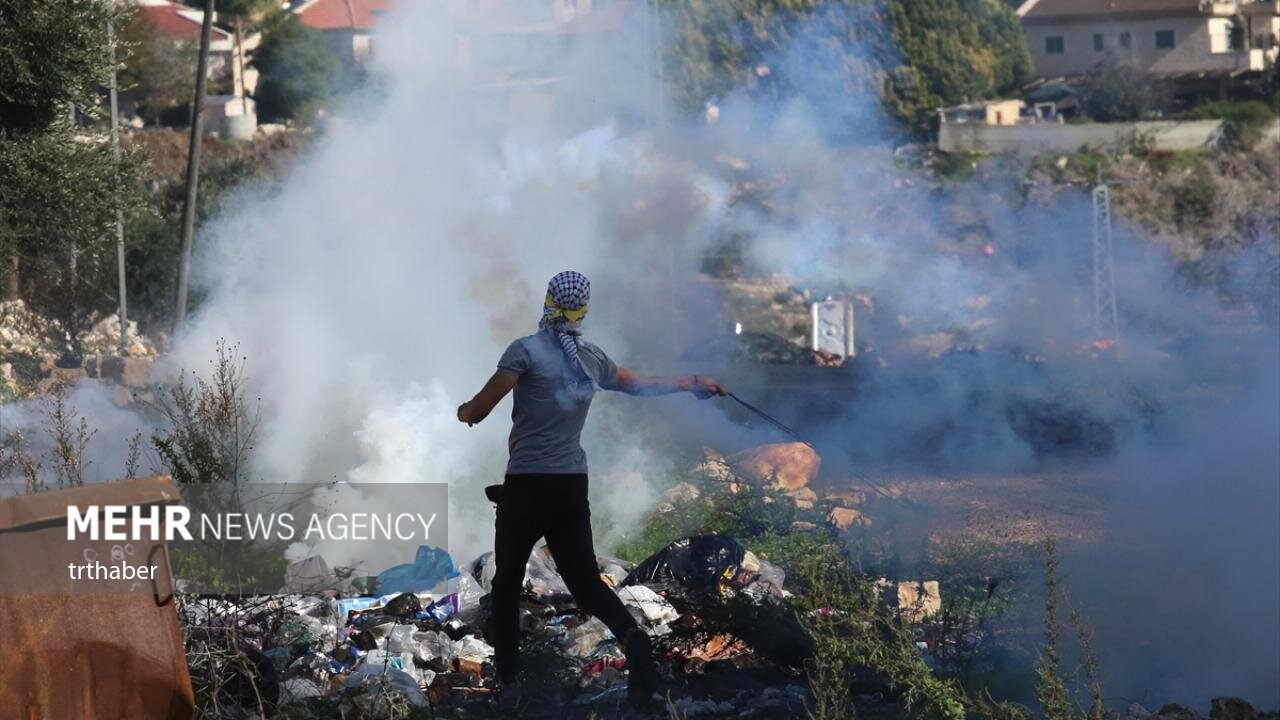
(700, 599)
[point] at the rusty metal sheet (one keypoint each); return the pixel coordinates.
(86, 656)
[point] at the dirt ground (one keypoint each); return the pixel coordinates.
(912, 516)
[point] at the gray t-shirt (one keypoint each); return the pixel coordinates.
(549, 412)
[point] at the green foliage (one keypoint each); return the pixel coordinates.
(1050, 689)
(52, 53)
(723, 46)
(210, 424)
(1194, 201)
(253, 12)
(935, 53)
(160, 71)
(952, 51)
(153, 232)
(956, 165)
(61, 225)
(853, 635)
(1117, 93)
(1242, 122)
(299, 71)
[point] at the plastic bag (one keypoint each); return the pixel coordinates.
(378, 683)
(469, 594)
(430, 567)
(701, 562)
(654, 607)
(542, 575)
(403, 605)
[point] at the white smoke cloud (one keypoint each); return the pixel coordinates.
(375, 291)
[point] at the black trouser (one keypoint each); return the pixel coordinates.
(534, 506)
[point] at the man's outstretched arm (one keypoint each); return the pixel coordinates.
(627, 381)
(479, 407)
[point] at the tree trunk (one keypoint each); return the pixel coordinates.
(244, 90)
(12, 286)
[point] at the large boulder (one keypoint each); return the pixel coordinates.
(127, 371)
(1231, 708)
(914, 599)
(845, 518)
(788, 466)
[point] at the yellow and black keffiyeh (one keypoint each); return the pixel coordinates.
(563, 311)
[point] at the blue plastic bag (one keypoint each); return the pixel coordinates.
(431, 567)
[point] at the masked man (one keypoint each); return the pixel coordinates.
(555, 373)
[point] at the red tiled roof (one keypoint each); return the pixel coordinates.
(1047, 9)
(167, 19)
(342, 14)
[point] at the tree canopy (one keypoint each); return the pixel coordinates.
(953, 51)
(60, 187)
(917, 54)
(299, 70)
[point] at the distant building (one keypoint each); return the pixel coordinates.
(181, 24)
(1205, 46)
(228, 72)
(512, 52)
(348, 24)
(989, 112)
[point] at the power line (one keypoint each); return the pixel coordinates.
(1106, 321)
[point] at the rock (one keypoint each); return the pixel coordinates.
(1231, 708)
(845, 518)
(1174, 711)
(803, 526)
(128, 371)
(66, 376)
(714, 468)
(804, 497)
(914, 599)
(121, 396)
(789, 466)
(682, 492)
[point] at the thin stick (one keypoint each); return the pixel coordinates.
(768, 418)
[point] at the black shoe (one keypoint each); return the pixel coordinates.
(642, 678)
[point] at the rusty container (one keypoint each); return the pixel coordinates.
(107, 650)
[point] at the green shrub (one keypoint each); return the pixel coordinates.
(1242, 122)
(1116, 93)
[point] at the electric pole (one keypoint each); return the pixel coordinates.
(115, 151)
(193, 167)
(1106, 322)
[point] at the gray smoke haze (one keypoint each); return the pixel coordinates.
(375, 291)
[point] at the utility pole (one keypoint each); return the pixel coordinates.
(115, 152)
(193, 167)
(1106, 322)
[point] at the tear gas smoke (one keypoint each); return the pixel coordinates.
(375, 291)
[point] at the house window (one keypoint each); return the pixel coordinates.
(1098, 43)
(1126, 40)
(1054, 45)
(1165, 39)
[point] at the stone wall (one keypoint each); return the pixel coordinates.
(1036, 139)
